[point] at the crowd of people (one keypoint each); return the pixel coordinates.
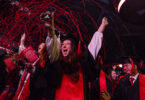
(61, 71)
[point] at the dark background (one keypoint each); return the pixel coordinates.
(125, 35)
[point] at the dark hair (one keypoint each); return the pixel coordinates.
(2, 53)
(129, 60)
(70, 63)
(15, 49)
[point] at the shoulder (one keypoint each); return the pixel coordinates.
(123, 78)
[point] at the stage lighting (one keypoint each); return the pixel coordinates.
(120, 4)
(132, 11)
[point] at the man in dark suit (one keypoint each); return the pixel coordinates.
(131, 86)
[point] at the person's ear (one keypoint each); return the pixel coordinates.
(135, 66)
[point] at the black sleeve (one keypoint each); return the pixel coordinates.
(53, 73)
(37, 78)
(3, 79)
(95, 90)
(89, 66)
(49, 76)
(118, 92)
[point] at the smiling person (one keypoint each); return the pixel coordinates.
(77, 72)
(131, 86)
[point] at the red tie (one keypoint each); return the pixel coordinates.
(131, 81)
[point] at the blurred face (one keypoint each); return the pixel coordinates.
(127, 68)
(66, 48)
(40, 47)
(114, 75)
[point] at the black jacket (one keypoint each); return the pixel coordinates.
(124, 90)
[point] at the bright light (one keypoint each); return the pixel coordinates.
(120, 65)
(120, 4)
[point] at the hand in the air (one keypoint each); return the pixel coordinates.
(105, 21)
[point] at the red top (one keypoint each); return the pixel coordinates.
(70, 90)
(9, 63)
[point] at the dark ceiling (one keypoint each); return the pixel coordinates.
(125, 35)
